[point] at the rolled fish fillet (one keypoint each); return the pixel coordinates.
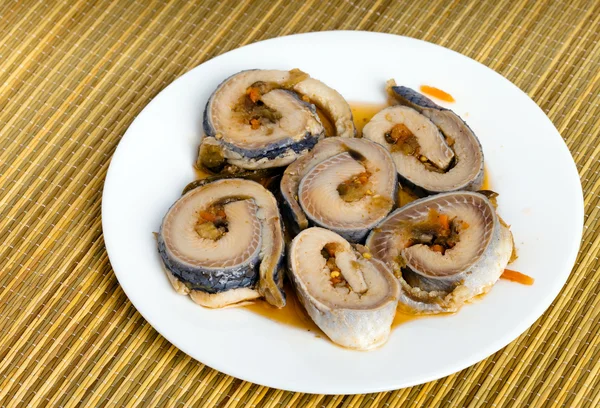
(445, 249)
(351, 298)
(432, 147)
(222, 244)
(266, 118)
(345, 185)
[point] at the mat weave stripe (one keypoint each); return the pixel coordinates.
(74, 75)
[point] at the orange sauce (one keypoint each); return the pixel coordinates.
(327, 124)
(402, 318)
(200, 174)
(517, 277)
(405, 196)
(486, 185)
(436, 93)
(293, 314)
(363, 112)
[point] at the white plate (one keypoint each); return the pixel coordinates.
(529, 164)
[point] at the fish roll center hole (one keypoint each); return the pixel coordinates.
(439, 232)
(356, 187)
(211, 223)
(252, 111)
(335, 274)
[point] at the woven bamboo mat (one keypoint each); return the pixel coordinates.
(73, 76)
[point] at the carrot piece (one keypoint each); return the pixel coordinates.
(254, 123)
(518, 277)
(437, 248)
(208, 216)
(254, 94)
(443, 218)
(437, 93)
(330, 248)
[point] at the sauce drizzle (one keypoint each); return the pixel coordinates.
(436, 93)
(518, 277)
(362, 113)
(293, 314)
(486, 185)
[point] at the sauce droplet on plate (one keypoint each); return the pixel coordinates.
(517, 277)
(362, 113)
(486, 185)
(293, 314)
(437, 93)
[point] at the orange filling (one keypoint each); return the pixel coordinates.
(355, 188)
(211, 223)
(438, 232)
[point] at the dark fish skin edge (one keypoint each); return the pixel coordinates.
(275, 150)
(418, 101)
(204, 280)
(279, 273)
(414, 99)
(286, 211)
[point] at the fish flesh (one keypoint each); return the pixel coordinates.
(444, 249)
(222, 243)
(331, 102)
(351, 298)
(346, 185)
(432, 147)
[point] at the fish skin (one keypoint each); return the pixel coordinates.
(415, 99)
(210, 280)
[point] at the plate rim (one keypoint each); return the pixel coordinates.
(481, 354)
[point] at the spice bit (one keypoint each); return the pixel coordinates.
(369, 192)
(254, 123)
(305, 98)
(218, 136)
(423, 159)
(367, 255)
(335, 274)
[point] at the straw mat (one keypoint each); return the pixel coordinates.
(74, 75)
